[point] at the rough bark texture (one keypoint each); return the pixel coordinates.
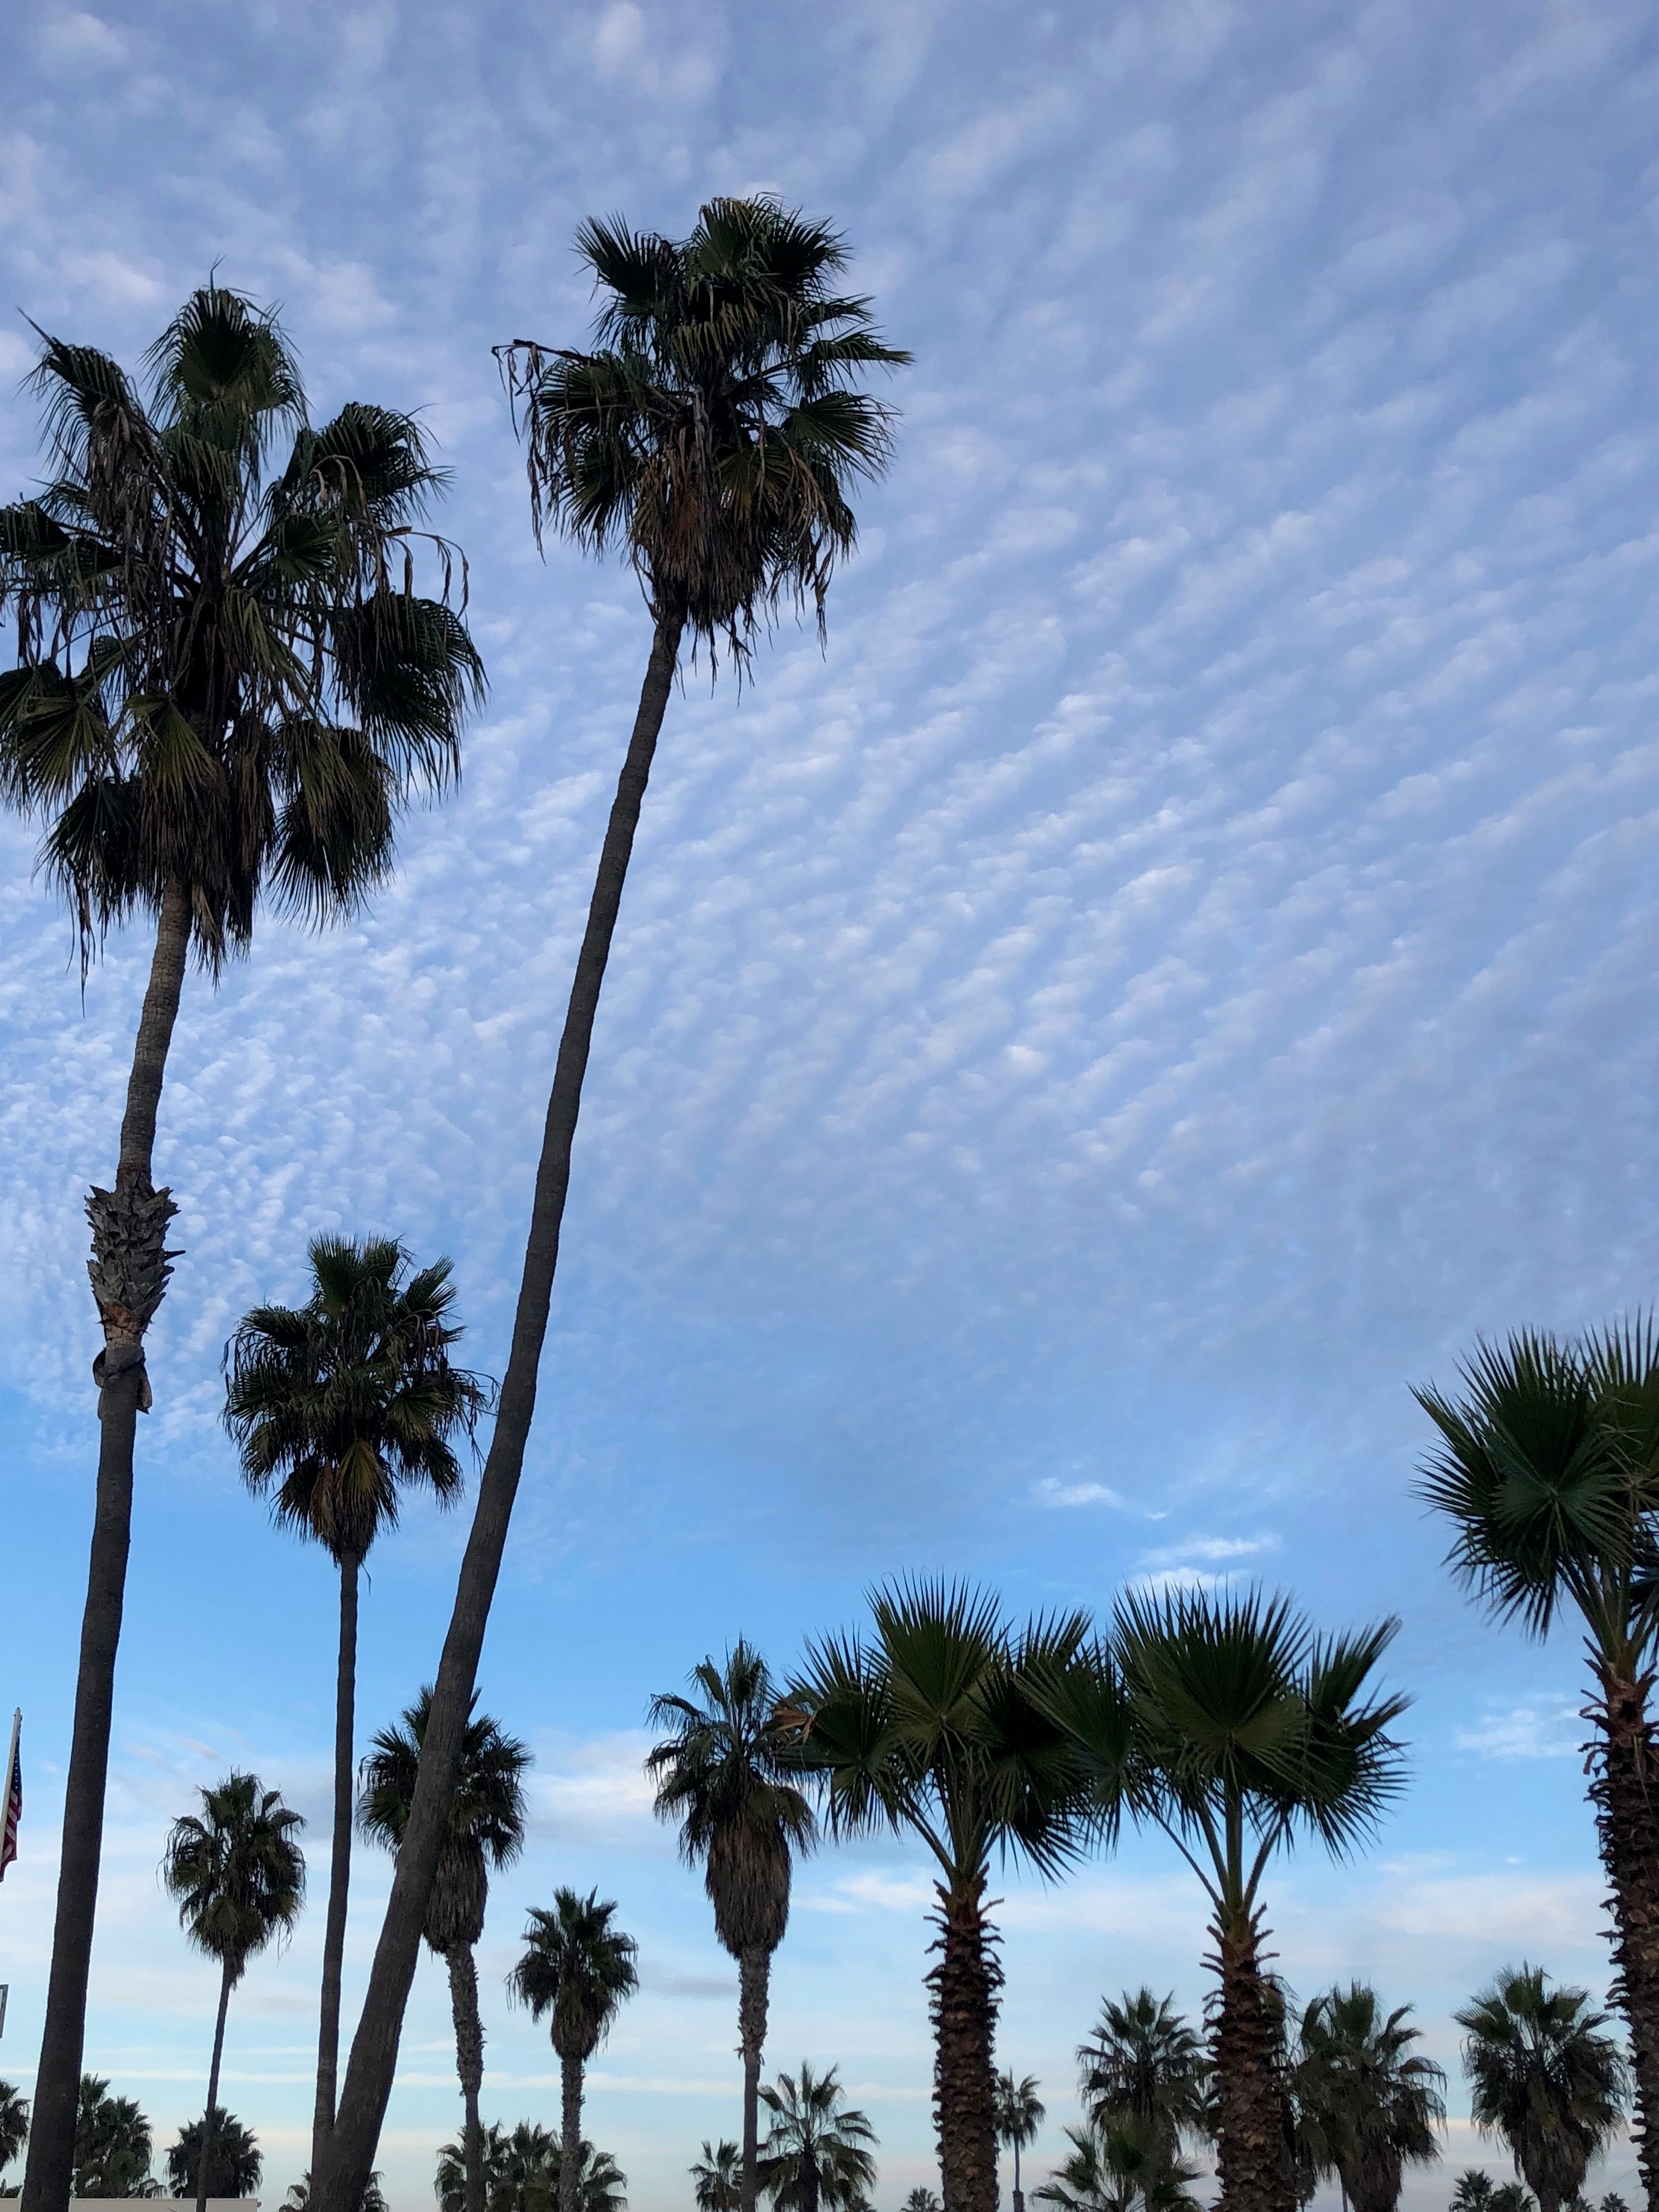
(754, 1979)
(1251, 2160)
(964, 1987)
(338, 2178)
(469, 2063)
(1625, 1779)
(225, 1985)
(339, 1870)
(570, 2132)
(128, 1271)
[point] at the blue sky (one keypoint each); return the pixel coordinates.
(1170, 973)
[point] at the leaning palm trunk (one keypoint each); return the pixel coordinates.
(129, 1270)
(754, 1979)
(339, 1871)
(1626, 1780)
(1250, 2152)
(570, 2131)
(964, 1986)
(226, 1983)
(341, 2173)
(469, 2063)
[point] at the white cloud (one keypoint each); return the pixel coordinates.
(1530, 1731)
(1050, 1491)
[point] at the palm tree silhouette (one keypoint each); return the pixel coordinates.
(1369, 2105)
(1019, 2113)
(717, 2177)
(1143, 2069)
(580, 1971)
(816, 2156)
(1543, 2078)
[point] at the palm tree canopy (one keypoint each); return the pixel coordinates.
(521, 2173)
(814, 2131)
(1369, 2103)
(373, 2198)
(14, 2122)
(724, 1772)
(224, 677)
(1543, 2076)
(715, 431)
(1114, 2168)
(338, 1404)
(1019, 2110)
(930, 1726)
(235, 2166)
(486, 1819)
(577, 1967)
(1548, 1470)
(236, 1870)
(717, 2177)
(1146, 2066)
(112, 2144)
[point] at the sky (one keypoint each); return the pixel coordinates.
(1166, 977)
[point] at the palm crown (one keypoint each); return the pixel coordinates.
(1369, 2104)
(1145, 2067)
(236, 1871)
(1544, 2077)
(577, 1967)
(817, 2147)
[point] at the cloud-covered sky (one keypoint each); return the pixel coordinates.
(1171, 971)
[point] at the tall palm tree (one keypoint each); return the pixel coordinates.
(225, 689)
(717, 2177)
(817, 2157)
(723, 1773)
(1544, 2079)
(1019, 2113)
(13, 2122)
(215, 2156)
(1225, 1721)
(337, 1408)
(1372, 2103)
(110, 2149)
(579, 1970)
(1144, 2069)
(715, 438)
(239, 1876)
(1548, 1468)
(928, 1729)
(486, 1829)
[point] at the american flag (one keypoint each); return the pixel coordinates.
(14, 1812)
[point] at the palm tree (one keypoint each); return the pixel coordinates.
(1544, 2079)
(13, 2122)
(601, 2185)
(930, 1728)
(110, 2150)
(579, 1970)
(1473, 2190)
(520, 2170)
(370, 2198)
(1226, 1722)
(723, 1774)
(336, 1406)
(922, 2200)
(1115, 2166)
(222, 695)
(1019, 2113)
(239, 1879)
(486, 1829)
(1548, 1468)
(816, 2158)
(717, 2177)
(1371, 2102)
(715, 437)
(231, 2167)
(1143, 2068)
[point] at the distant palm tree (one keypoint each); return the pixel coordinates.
(717, 2177)
(922, 2200)
(370, 2198)
(816, 2157)
(232, 2167)
(13, 2122)
(335, 1405)
(1372, 2104)
(579, 1970)
(1019, 2113)
(723, 1774)
(113, 2146)
(1473, 2190)
(1118, 2167)
(239, 1876)
(1512, 2197)
(1144, 2067)
(929, 1728)
(486, 1829)
(1544, 2079)
(520, 2170)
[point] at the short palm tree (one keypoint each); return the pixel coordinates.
(928, 1729)
(579, 1970)
(1371, 2102)
(601, 2185)
(1544, 2079)
(722, 1772)
(816, 2157)
(111, 2147)
(337, 1408)
(1548, 1468)
(239, 1876)
(371, 2198)
(520, 2170)
(1019, 2113)
(230, 2167)
(225, 689)
(715, 437)
(1144, 2069)
(13, 2122)
(486, 1830)
(1115, 2166)
(717, 2177)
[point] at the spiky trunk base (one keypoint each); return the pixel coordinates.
(1623, 1787)
(1252, 2159)
(964, 1987)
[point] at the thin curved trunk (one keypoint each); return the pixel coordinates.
(339, 1870)
(225, 1985)
(570, 2133)
(754, 1981)
(128, 1270)
(340, 2178)
(965, 1987)
(1250, 2159)
(1627, 1828)
(469, 2063)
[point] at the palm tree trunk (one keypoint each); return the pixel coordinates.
(570, 2132)
(1249, 2153)
(469, 2063)
(965, 1987)
(129, 1271)
(338, 2179)
(1627, 1827)
(226, 1984)
(339, 1870)
(754, 1979)
(809, 2181)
